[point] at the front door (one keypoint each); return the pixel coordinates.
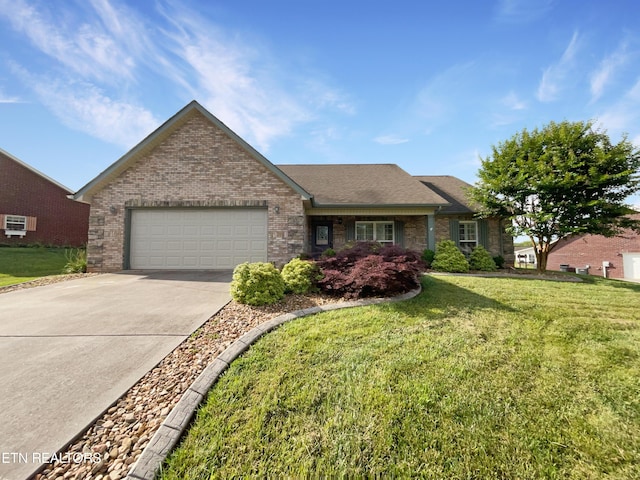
(321, 237)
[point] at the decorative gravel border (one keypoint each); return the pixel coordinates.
(178, 420)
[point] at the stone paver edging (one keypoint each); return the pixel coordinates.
(177, 422)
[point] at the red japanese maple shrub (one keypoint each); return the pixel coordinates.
(370, 269)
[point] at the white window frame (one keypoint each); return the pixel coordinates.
(467, 240)
(15, 219)
(374, 233)
(12, 225)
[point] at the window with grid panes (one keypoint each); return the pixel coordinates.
(381, 232)
(468, 232)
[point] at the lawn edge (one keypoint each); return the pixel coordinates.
(177, 422)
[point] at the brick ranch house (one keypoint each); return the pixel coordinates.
(622, 253)
(194, 195)
(35, 209)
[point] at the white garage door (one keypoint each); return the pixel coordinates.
(631, 265)
(197, 238)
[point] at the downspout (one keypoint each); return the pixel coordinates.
(605, 265)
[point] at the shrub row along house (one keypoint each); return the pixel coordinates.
(35, 209)
(194, 195)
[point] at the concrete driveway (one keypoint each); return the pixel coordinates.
(69, 350)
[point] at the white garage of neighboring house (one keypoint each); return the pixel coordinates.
(631, 263)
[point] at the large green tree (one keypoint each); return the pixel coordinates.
(565, 179)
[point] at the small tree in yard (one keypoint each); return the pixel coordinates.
(566, 179)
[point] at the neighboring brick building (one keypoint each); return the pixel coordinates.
(194, 195)
(35, 209)
(621, 252)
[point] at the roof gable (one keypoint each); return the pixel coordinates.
(362, 185)
(34, 171)
(453, 190)
(164, 131)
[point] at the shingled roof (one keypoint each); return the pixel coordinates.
(453, 190)
(362, 185)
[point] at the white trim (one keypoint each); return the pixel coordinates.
(15, 219)
(374, 232)
(463, 241)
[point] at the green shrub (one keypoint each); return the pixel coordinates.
(329, 252)
(76, 261)
(300, 276)
(481, 259)
(499, 261)
(428, 256)
(449, 258)
(257, 284)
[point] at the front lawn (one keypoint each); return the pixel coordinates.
(475, 378)
(18, 264)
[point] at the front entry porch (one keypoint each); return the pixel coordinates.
(335, 232)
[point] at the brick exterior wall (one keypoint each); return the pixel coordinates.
(59, 220)
(500, 242)
(593, 250)
(198, 165)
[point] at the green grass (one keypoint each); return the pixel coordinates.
(475, 378)
(19, 264)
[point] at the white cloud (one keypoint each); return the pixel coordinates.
(522, 11)
(634, 92)
(97, 47)
(390, 140)
(226, 76)
(433, 104)
(554, 76)
(616, 118)
(623, 116)
(513, 102)
(606, 70)
(470, 158)
(8, 99)
(242, 83)
(320, 96)
(85, 108)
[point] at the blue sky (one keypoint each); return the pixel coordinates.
(428, 85)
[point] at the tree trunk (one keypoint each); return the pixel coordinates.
(541, 258)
